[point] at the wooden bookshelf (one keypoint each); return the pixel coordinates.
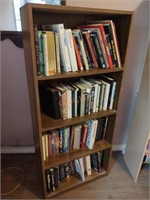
(71, 17)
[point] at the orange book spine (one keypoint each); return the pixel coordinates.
(79, 62)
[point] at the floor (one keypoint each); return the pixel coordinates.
(117, 185)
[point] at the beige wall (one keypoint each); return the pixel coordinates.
(135, 57)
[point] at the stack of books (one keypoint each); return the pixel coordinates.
(88, 46)
(77, 136)
(82, 166)
(86, 96)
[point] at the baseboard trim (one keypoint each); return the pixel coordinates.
(121, 147)
(17, 149)
(31, 149)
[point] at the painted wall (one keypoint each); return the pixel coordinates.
(7, 17)
(135, 57)
(16, 117)
(16, 126)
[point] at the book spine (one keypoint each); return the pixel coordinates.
(69, 39)
(41, 56)
(77, 53)
(106, 46)
(36, 42)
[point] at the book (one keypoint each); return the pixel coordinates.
(81, 98)
(79, 168)
(62, 172)
(96, 159)
(70, 45)
(98, 50)
(62, 100)
(88, 165)
(106, 95)
(109, 26)
(77, 33)
(84, 132)
(113, 85)
(87, 40)
(59, 28)
(48, 180)
(77, 137)
(36, 42)
(101, 28)
(77, 53)
(49, 101)
(41, 56)
(92, 124)
(57, 49)
(49, 52)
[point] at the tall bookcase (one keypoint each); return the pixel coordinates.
(71, 17)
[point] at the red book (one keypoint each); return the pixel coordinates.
(79, 62)
(101, 28)
(72, 136)
(84, 132)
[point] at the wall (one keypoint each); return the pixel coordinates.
(16, 118)
(135, 57)
(7, 17)
(16, 126)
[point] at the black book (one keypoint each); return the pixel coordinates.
(52, 175)
(95, 161)
(67, 170)
(108, 30)
(48, 181)
(61, 172)
(98, 50)
(56, 176)
(100, 127)
(49, 100)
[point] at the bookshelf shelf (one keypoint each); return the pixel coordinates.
(62, 158)
(49, 123)
(43, 125)
(83, 73)
(74, 181)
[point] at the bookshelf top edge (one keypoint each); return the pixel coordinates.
(73, 9)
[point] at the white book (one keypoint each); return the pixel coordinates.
(77, 137)
(106, 95)
(81, 172)
(72, 56)
(57, 47)
(95, 94)
(59, 28)
(88, 165)
(78, 34)
(91, 133)
(112, 90)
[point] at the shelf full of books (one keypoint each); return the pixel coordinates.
(75, 59)
(91, 46)
(70, 174)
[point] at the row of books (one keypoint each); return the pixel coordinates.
(88, 46)
(76, 136)
(82, 166)
(67, 100)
